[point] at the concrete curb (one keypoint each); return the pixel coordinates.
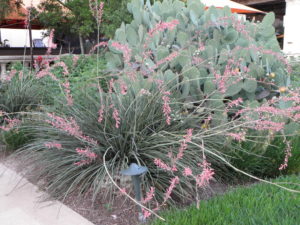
(19, 204)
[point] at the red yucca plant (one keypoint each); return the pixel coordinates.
(156, 115)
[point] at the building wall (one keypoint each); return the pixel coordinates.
(20, 37)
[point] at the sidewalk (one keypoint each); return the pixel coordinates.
(19, 204)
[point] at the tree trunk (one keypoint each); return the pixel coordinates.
(30, 42)
(81, 44)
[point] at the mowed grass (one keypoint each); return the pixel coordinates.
(259, 204)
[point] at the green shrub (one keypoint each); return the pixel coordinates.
(83, 73)
(82, 70)
(263, 157)
(15, 139)
(257, 204)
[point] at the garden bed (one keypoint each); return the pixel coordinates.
(103, 211)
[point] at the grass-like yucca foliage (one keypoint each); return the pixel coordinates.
(142, 136)
(257, 204)
(18, 96)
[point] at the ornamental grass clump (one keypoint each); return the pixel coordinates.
(178, 100)
(131, 126)
(20, 94)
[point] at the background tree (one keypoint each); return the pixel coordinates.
(7, 6)
(74, 17)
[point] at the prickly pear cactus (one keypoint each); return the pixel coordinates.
(210, 53)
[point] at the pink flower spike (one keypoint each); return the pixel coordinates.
(10, 75)
(288, 154)
(51, 45)
(11, 123)
(173, 183)
(86, 153)
(206, 175)
(100, 113)
(167, 108)
(149, 195)
(69, 126)
(269, 125)
(238, 136)
(53, 145)
(123, 88)
(124, 49)
(187, 172)
(159, 163)
(116, 117)
(146, 213)
(160, 27)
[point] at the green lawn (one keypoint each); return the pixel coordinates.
(260, 204)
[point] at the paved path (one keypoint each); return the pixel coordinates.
(19, 204)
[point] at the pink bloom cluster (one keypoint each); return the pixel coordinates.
(100, 114)
(53, 145)
(146, 213)
(235, 102)
(187, 172)
(183, 146)
(173, 183)
(75, 59)
(63, 65)
(69, 126)
(241, 136)
(111, 85)
(169, 58)
(230, 72)
(206, 175)
(97, 10)
(11, 123)
(67, 90)
(123, 88)
(116, 117)
(149, 195)
(159, 163)
(91, 156)
(51, 44)
(100, 44)
(160, 27)
(269, 125)
(166, 107)
(124, 49)
(11, 74)
(288, 154)
(46, 72)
